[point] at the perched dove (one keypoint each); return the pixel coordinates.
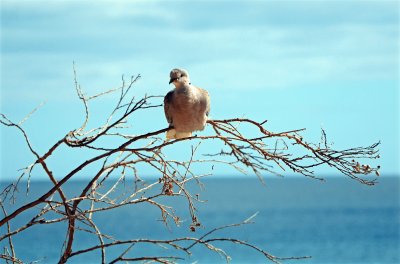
(186, 107)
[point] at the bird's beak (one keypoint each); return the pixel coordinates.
(172, 80)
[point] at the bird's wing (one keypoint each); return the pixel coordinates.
(205, 101)
(167, 106)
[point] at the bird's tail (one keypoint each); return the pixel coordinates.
(173, 134)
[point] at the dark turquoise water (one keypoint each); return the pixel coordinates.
(337, 221)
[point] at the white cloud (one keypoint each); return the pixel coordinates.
(106, 41)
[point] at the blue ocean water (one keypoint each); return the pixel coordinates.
(337, 221)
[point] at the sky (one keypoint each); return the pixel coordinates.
(299, 64)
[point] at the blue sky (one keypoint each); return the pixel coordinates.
(312, 64)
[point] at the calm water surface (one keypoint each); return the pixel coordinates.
(337, 221)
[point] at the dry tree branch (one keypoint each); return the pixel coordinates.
(7, 258)
(12, 255)
(246, 145)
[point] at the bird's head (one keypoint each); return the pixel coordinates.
(179, 76)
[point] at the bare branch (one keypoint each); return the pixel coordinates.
(245, 145)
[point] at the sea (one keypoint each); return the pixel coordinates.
(335, 221)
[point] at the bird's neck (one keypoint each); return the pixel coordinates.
(184, 82)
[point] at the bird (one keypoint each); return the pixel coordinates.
(186, 107)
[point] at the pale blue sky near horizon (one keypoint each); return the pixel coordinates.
(299, 64)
